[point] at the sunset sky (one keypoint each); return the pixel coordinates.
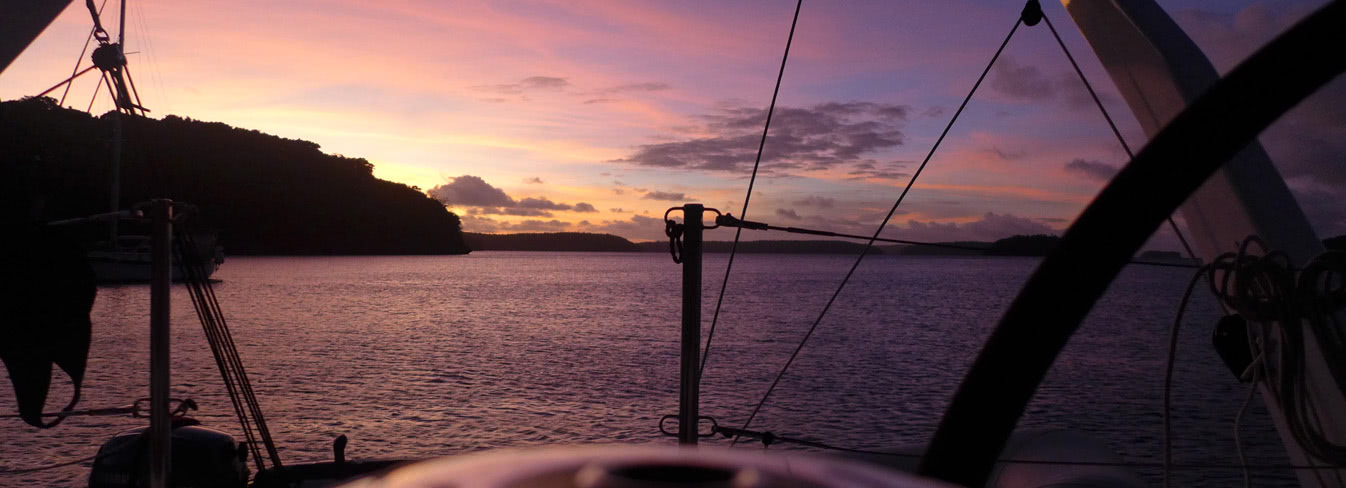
(596, 116)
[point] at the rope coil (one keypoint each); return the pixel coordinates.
(1262, 289)
(1265, 288)
(674, 230)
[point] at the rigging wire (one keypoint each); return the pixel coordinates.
(121, 25)
(733, 249)
(110, 58)
(112, 92)
(80, 58)
(882, 225)
(89, 109)
(223, 348)
(189, 265)
(1099, 102)
(132, 81)
(156, 78)
(731, 221)
(66, 82)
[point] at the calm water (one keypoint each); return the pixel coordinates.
(423, 356)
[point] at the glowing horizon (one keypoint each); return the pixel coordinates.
(595, 117)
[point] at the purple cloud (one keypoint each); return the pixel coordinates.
(470, 191)
(816, 201)
(481, 198)
(873, 170)
(542, 203)
(517, 212)
(990, 227)
(1094, 170)
(668, 196)
(819, 137)
(1028, 83)
(636, 87)
(531, 83)
(1021, 82)
(474, 223)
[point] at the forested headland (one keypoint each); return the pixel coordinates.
(265, 195)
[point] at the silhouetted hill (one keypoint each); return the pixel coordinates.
(1035, 245)
(551, 241)
(265, 194)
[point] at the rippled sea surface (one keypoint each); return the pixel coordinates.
(415, 357)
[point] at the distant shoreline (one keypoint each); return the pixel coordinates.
(1029, 246)
(1018, 246)
(589, 242)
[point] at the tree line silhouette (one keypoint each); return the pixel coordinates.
(266, 195)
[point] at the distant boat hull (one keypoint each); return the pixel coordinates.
(131, 269)
(130, 261)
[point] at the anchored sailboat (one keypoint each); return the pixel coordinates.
(122, 257)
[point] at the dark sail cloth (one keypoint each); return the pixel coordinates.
(44, 315)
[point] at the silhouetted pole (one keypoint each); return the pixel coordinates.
(161, 280)
(115, 175)
(691, 323)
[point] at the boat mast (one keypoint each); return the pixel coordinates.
(115, 178)
(116, 193)
(110, 58)
(1159, 71)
